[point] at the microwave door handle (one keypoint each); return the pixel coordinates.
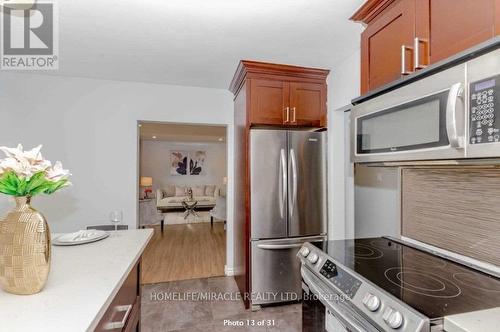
(455, 97)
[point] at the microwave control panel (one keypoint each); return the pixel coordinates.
(484, 111)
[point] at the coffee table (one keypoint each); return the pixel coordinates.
(190, 206)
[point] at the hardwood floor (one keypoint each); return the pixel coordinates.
(187, 251)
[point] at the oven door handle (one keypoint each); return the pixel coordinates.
(454, 115)
(341, 314)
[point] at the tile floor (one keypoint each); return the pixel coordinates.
(162, 314)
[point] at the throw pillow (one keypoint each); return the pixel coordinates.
(199, 191)
(169, 191)
(180, 191)
(210, 191)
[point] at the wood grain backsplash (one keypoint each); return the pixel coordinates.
(457, 209)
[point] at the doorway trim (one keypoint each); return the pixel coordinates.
(229, 265)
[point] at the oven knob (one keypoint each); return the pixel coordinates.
(312, 258)
(371, 301)
(304, 251)
(393, 318)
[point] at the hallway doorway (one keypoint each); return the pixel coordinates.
(182, 196)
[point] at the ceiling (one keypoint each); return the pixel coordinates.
(199, 42)
(181, 132)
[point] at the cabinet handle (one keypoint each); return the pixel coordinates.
(294, 115)
(416, 46)
(121, 324)
(287, 114)
(404, 48)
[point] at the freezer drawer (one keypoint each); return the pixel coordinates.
(276, 269)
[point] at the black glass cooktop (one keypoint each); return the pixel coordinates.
(432, 285)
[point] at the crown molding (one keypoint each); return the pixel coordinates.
(252, 69)
(369, 10)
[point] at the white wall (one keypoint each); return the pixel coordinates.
(91, 126)
(344, 81)
(367, 205)
(343, 86)
(155, 162)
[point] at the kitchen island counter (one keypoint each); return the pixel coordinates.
(476, 321)
(82, 284)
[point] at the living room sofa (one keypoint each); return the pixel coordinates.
(171, 197)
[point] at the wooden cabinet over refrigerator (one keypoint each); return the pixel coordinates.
(282, 95)
(405, 36)
(268, 95)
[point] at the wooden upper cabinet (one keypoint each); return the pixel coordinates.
(460, 24)
(404, 36)
(269, 100)
(282, 95)
(308, 104)
(386, 43)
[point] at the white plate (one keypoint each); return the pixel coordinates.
(81, 237)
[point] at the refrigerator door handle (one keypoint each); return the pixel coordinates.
(271, 246)
(293, 200)
(282, 183)
(279, 246)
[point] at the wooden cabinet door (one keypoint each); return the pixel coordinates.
(459, 24)
(382, 42)
(307, 103)
(268, 101)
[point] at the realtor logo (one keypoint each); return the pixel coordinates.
(30, 36)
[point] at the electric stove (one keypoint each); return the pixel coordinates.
(390, 285)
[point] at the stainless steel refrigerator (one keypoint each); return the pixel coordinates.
(288, 206)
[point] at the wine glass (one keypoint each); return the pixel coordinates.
(116, 217)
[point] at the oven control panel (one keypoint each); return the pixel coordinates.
(342, 280)
(484, 110)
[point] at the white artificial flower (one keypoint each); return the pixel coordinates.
(24, 164)
(12, 152)
(57, 173)
(8, 163)
(21, 168)
(33, 156)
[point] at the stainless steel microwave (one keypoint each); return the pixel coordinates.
(452, 114)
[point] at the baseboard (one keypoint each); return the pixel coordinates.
(229, 271)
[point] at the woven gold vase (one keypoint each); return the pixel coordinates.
(24, 249)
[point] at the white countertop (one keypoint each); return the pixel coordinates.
(82, 283)
(476, 321)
